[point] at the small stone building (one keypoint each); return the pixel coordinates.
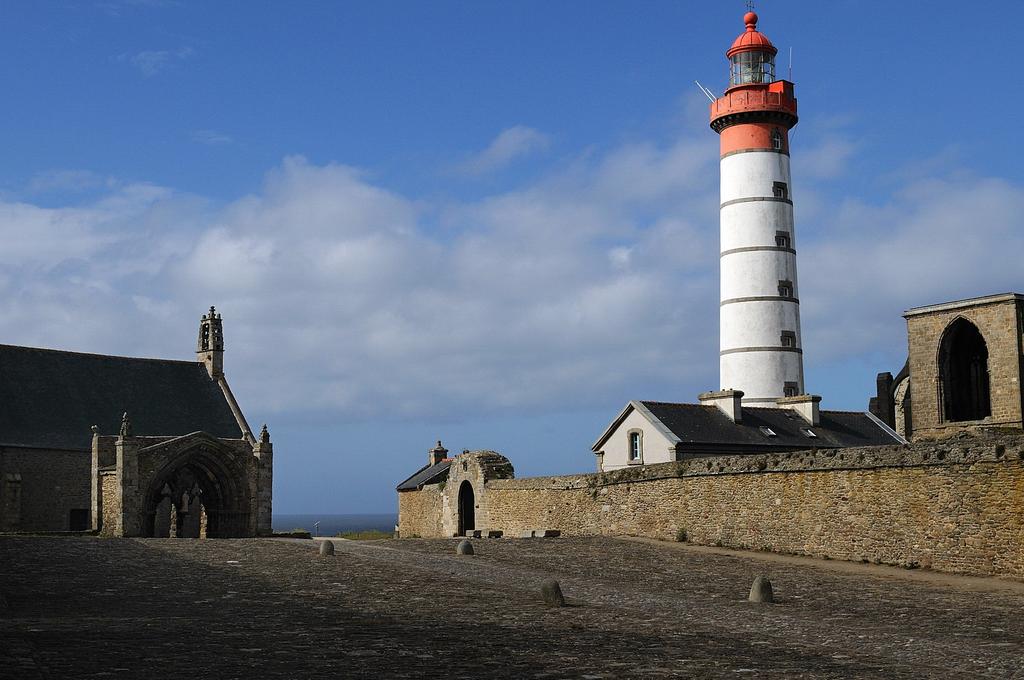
(445, 497)
(129, 446)
(964, 370)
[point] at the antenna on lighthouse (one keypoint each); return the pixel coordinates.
(706, 91)
(790, 63)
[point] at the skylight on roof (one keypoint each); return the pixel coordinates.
(807, 432)
(767, 431)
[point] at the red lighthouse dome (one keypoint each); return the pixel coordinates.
(751, 40)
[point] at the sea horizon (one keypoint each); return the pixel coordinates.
(331, 524)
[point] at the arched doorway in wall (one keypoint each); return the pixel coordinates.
(467, 508)
(963, 373)
(196, 495)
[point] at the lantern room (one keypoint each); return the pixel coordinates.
(752, 56)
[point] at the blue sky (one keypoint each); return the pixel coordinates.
(491, 223)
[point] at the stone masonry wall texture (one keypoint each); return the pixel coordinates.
(419, 512)
(1001, 325)
(53, 483)
(955, 505)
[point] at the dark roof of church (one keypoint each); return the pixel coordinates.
(428, 474)
(699, 426)
(51, 398)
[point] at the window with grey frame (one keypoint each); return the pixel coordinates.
(783, 239)
(635, 447)
(776, 139)
(785, 289)
(790, 389)
(788, 339)
(780, 190)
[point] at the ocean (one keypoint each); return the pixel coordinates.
(335, 524)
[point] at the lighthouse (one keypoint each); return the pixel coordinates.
(760, 344)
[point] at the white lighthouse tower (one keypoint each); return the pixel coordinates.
(760, 346)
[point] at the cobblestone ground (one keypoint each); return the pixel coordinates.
(91, 608)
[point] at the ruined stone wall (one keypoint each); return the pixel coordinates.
(1000, 324)
(419, 512)
(955, 505)
(52, 484)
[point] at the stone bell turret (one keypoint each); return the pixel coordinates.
(210, 347)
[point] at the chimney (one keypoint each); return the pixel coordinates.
(804, 404)
(210, 348)
(437, 454)
(727, 401)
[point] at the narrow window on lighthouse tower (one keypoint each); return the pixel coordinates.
(790, 389)
(786, 289)
(780, 189)
(782, 239)
(776, 140)
(788, 339)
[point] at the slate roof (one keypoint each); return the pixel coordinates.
(428, 474)
(51, 398)
(705, 429)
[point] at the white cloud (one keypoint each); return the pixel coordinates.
(594, 282)
(510, 145)
(152, 62)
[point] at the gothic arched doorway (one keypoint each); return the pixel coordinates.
(196, 495)
(963, 373)
(467, 508)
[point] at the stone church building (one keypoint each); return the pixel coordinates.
(129, 446)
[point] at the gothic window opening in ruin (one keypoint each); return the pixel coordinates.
(963, 373)
(467, 508)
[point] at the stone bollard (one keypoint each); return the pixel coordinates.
(464, 548)
(326, 548)
(552, 593)
(761, 590)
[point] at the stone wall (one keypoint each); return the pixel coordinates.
(999, 319)
(52, 484)
(110, 504)
(419, 512)
(955, 505)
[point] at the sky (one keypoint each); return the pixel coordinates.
(489, 223)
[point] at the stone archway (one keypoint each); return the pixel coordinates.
(963, 373)
(467, 508)
(197, 494)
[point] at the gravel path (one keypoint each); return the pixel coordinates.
(90, 608)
